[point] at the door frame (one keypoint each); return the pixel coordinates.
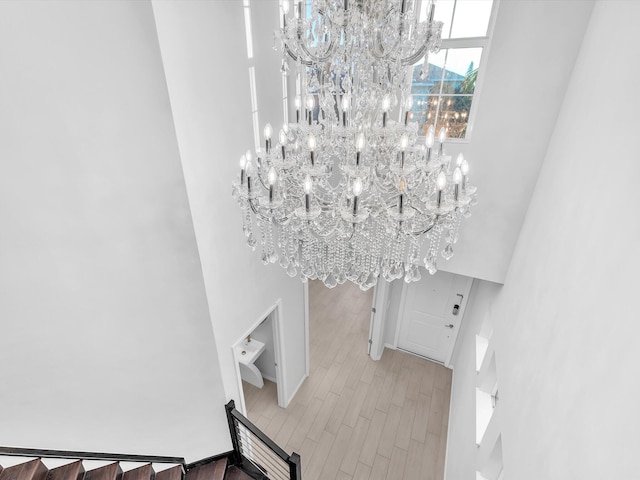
(401, 317)
(377, 324)
(277, 325)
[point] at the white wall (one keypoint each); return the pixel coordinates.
(565, 331)
(105, 338)
(205, 60)
(532, 52)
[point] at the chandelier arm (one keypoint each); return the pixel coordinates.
(311, 58)
(256, 211)
(295, 57)
(378, 50)
(413, 58)
(315, 58)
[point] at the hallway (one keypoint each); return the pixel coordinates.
(355, 418)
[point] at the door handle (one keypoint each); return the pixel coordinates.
(449, 326)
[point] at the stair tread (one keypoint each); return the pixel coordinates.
(108, 472)
(220, 470)
(71, 471)
(31, 470)
(173, 473)
(234, 473)
(144, 472)
(208, 471)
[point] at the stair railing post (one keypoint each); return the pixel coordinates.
(294, 467)
(233, 430)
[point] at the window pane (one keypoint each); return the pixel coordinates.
(461, 70)
(444, 96)
(443, 13)
(454, 115)
(424, 110)
(471, 18)
(431, 84)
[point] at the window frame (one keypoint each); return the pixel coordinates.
(470, 42)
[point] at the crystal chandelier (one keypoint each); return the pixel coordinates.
(348, 193)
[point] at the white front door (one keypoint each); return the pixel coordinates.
(429, 319)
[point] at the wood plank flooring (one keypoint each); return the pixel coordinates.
(355, 418)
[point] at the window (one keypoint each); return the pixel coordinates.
(443, 95)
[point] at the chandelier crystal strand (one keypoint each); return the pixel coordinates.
(347, 192)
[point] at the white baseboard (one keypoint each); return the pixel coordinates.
(389, 346)
(271, 379)
(446, 450)
(304, 377)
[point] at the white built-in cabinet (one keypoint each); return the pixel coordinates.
(488, 431)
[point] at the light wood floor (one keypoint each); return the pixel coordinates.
(355, 418)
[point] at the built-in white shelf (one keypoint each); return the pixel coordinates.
(481, 349)
(484, 411)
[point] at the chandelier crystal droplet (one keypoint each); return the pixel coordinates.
(349, 193)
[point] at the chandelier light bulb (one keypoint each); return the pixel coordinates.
(464, 168)
(386, 103)
(357, 187)
(360, 141)
(408, 103)
(249, 173)
(282, 137)
(441, 181)
(268, 131)
(298, 103)
(307, 185)
(243, 164)
(272, 177)
(459, 160)
(285, 6)
(442, 135)
(345, 102)
(310, 102)
(249, 157)
(430, 140)
(457, 176)
(311, 142)
(404, 142)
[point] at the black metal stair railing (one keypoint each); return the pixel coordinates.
(250, 444)
(68, 454)
(32, 454)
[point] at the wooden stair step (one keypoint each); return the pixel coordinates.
(173, 473)
(145, 472)
(71, 471)
(208, 471)
(30, 470)
(108, 472)
(234, 473)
